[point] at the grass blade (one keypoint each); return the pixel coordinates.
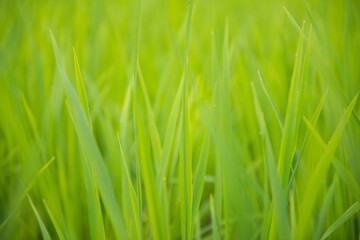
(316, 178)
(280, 207)
(348, 214)
(44, 231)
(31, 183)
(90, 149)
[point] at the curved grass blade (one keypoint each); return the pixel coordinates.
(155, 209)
(348, 214)
(94, 207)
(307, 137)
(133, 197)
(90, 149)
(317, 176)
(272, 104)
(199, 178)
(279, 202)
(216, 234)
(185, 174)
(56, 224)
(324, 209)
(44, 231)
(292, 118)
(31, 183)
(80, 89)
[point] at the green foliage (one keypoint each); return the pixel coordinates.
(179, 119)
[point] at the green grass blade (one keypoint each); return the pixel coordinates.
(185, 168)
(27, 189)
(169, 135)
(216, 233)
(44, 231)
(153, 131)
(155, 209)
(133, 197)
(348, 214)
(292, 118)
(272, 103)
(199, 177)
(317, 176)
(91, 150)
(80, 89)
(94, 207)
(314, 119)
(56, 224)
(280, 207)
(324, 210)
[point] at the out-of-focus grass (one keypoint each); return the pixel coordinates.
(179, 119)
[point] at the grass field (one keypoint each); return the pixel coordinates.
(155, 119)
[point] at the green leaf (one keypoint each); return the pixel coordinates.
(341, 220)
(90, 149)
(317, 176)
(27, 189)
(44, 231)
(279, 202)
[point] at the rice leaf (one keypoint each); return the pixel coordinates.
(44, 231)
(341, 220)
(90, 149)
(317, 176)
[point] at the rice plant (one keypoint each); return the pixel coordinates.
(154, 119)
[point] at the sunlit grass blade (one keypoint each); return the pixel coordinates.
(80, 89)
(153, 131)
(348, 214)
(272, 103)
(44, 231)
(169, 135)
(155, 210)
(58, 228)
(279, 202)
(94, 207)
(91, 150)
(292, 118)
(316, 178)
(133, 196)
(31, 119)
(216, 233)
(185, 168)
(308, 134)
(199, 177)
(325, 68)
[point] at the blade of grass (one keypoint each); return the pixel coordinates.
(94, 207)
(216, 234)
(56, 224)
(341, 220)
(280, 207)
(44, 231)
(199, 178)
(272, 104)
(308, 135)
(155, 209)
(133, 197)
(27, 189)
(90, 149)
(292, 118)
(324, 209)
(317, 176)
(185, 168)
(80, 89)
